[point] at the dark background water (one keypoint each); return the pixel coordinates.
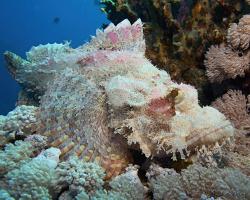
(24, 23)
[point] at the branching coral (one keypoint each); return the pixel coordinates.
(225, 62)
(22, 121)
(128, 185)
(195, 181)
(80, 176)
(86, 181)
(14, 155)
(34, 179)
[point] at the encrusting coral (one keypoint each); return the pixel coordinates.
(105, 98)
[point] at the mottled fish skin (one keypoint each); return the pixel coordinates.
(74, 117)
(74, 108)
(104, 98)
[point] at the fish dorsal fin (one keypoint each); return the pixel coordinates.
(123, 36)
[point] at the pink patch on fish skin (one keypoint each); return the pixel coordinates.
(126, 33)
(98, 57)
(136, 31)
(161, 106)
(113, 37)
(86, 60)
(156, 93)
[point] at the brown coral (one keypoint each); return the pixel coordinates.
(223, 63)
(234, 106)
(238, 36)
(233, 59)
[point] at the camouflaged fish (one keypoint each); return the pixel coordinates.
(104, 98)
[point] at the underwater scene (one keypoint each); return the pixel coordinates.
(125, 100)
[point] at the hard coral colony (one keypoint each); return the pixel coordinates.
(98, 104)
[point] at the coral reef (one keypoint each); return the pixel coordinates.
(234, 106)
(80, 176)
(33, 179)
(20, 122)
(103, 108)
(232, 61)
(14, 155)
(195, 181)
(178, 32)
(225, 62)
(113, 99)
(122, 187)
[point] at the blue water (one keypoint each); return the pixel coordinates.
(24, 23)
